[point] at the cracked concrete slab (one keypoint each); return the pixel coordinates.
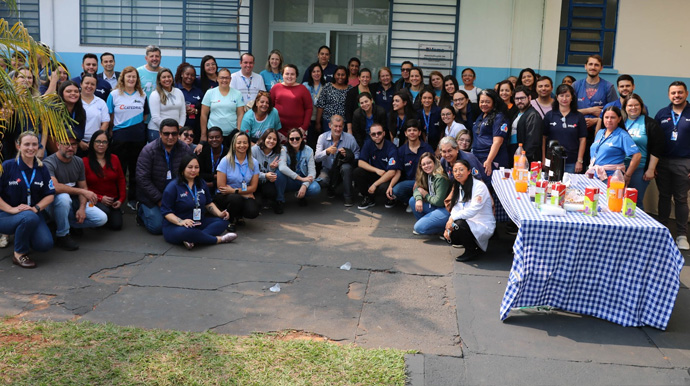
(167, 308)
(210, 274)
(409, 312)
(674, 343)
(133, 239)
(316, 301)
(544, 336)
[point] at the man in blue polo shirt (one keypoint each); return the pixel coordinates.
(376, 166)
(673, 179)
(400, 188)
(335, 150)
(89, 63)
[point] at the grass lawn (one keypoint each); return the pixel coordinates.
(82, 353)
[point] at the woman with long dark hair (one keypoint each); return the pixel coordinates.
(450, 87)
(401, 111)
(71, 96)
(166, 101)
(528, 78)
(431, 188)
(490, 132)
(366, 115)
(471, 222)
(181, 205)
(185, 80)
(429, 117)
(315, 84)
(209, 74)
(267, 154)
(332, 100)
(104, 176)
(297, 170)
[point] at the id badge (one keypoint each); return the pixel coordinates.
(196, 214)
(28, 200)
(396, 142)
(244, 186)
(168, 176)
(674, 136)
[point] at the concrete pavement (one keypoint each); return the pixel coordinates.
(403, 291)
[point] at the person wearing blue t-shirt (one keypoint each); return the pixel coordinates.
(376, 166)
(26, 189)
(237, 178)
(626, 86)
(673, 179)
(184, 202)
(402, 183)
(273, 74)
(149, 71)
(612, 145)
(261, 117)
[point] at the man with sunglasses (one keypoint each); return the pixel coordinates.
(156, 167)
(377, 165)
(404, 81)
(70, 209)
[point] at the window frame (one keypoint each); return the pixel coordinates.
(564, 45)
(28, 22)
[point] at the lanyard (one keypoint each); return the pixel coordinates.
(239, 166)
(28, 184)
(194, 195)
(601, 142)
(214, 163)
(315, 92)
(248, 84)
(675, 120)
(427, 120)
(276, 77)
(167, 157)
(633, 123)
(401, 122)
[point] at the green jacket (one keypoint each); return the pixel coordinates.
(441, 186)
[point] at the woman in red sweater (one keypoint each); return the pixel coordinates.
(105, 177)
(293, 102)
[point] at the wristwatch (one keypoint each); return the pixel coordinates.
(237, 191)
(580, 161)
(38, 208)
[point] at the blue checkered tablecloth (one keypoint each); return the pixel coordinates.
(625, 270)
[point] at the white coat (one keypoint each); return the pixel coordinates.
(478, 212)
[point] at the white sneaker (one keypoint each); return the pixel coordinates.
(682, 242)
(3, 241)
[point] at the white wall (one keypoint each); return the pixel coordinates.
(653, 39)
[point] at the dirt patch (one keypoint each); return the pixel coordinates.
(301, 335)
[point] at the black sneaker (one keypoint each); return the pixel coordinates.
(66, 242)
(470, 254)
(331, 192)
(77, 232)
(278, 207)
(348, 201)
(512, 229)
(232, 228)
(390, 204)
(367, 202)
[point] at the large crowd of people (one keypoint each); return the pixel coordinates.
(197, 156)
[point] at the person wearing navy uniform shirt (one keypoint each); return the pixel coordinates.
(490, 131)
(377, 165)
(89, 63)
(400, 188)
(109, 74)
(25, 191)
(323, 57)
(673, 179)
(184, 202)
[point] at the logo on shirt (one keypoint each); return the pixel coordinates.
(408, 164)
(14, 183)
(101, 90)
(196, 97)
(552, 123)
(123, 107)
(475, 172)
(183, 195)
(391, 162)
(39, 183)
(504, 128)
(51, 186)
(666, 120)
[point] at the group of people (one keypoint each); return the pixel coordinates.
(205, 153)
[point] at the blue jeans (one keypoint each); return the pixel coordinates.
(432, 219)
(203, 234)
(403, 190)
(63, 210)
(152, 135)
(152, 218)
(29, 229)
(286, 184)
(641, 185)
(569, 168)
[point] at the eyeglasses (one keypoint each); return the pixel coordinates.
(405, 69)
(295, 139)
(100, 142)
(169, 133)
(224, 77)
(520, 98)
(188, 135)
(446, 114)
(70, 144)
(376, 133)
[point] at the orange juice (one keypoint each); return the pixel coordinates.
(521, 181)
(615, 195)
(516, 161)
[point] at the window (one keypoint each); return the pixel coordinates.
(587, 27)
(27, 13)
(197, 24)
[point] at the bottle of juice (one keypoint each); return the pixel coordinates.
(516, 159)
(522, 179)
(615, 191)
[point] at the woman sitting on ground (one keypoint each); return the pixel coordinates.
(237, 177)
(20, 214)
(105, 177)
(431, 189)
(471, 222)
(182, 203)
(297, 170)
(267, 153)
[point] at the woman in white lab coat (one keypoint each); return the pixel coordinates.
(471, 222)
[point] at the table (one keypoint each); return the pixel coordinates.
(625, 270)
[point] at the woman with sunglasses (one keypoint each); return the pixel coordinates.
(297, 170)
(261, 117)
(181, 205)
(237, 177)
(187, 136)
(104, 176)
